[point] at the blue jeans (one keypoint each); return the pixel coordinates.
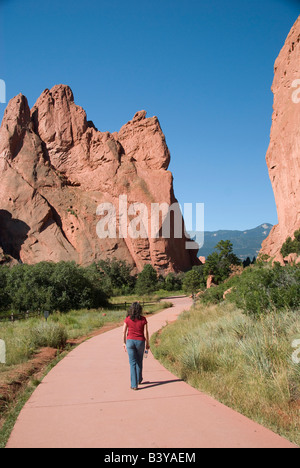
(135, 350)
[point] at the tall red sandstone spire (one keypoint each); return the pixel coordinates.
(283, 156)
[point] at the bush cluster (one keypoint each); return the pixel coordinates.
(265, 289)
(149, 281)
(291, 246)
(50, 286)
(115, 276)
(261, 289)
(219, 264)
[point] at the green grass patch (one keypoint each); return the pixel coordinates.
(156, 296)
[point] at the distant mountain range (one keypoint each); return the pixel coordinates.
(245, 243)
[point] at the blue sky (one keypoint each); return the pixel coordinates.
(204, 68)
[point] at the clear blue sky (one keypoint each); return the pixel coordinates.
(205, 68)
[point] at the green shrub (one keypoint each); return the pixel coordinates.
(291, 246)
(48, 286)
(193, 281)
(219, 263)
(214, 295)
(4, 297)
(260, 289)
(147, 281)
(264, 289)
(172, 282)
(115, 276)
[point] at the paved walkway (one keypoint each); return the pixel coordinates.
(86, 402)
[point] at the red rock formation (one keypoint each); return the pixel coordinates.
(56, 168)
(228, 291)
(7, 259)
(283, 156)
(210, 282)
(291, 259)
(278, 259)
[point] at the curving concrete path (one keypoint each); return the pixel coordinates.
(86, 402)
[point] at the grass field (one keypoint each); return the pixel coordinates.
(244, 363)
(24, 338)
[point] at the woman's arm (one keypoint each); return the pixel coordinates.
(125, 328)
(147, 337)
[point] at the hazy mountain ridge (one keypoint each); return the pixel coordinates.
(245, 243)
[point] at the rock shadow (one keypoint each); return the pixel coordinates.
(13, 233)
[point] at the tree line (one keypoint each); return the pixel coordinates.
(65, 286)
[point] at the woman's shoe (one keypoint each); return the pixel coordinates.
(133, 388)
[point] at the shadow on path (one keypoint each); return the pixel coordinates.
(146, 385)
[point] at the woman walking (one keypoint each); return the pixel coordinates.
(136, 340)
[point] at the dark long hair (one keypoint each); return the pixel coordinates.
(135, 311)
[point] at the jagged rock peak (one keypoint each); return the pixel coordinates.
(56, 168)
